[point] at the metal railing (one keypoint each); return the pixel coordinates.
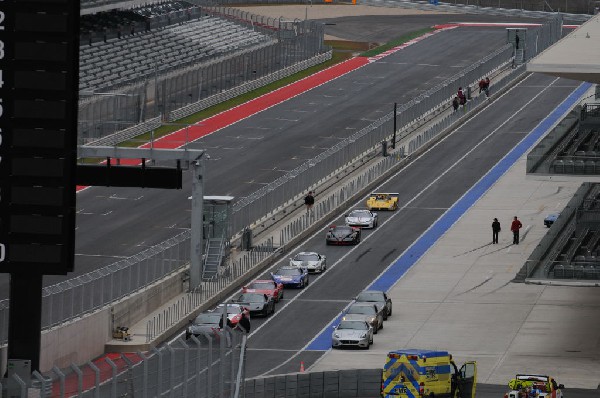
(473, 7)
(189, 303)
(204, 83)
(84, 294)
(262, 202)
(205, 366)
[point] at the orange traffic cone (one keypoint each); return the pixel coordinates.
(301, 366)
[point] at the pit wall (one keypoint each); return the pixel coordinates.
(85, 338)
(354, 383)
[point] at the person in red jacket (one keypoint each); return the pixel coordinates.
(515, 226)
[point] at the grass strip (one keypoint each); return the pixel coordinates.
(396, 42)
(342, 51)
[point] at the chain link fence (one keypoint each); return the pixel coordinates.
(210, 365)
(86, 293)
(288, 187)
(204, 83)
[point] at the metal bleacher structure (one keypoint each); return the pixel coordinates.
(570, 252)
(117, 61)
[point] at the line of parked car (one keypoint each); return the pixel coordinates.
(364, 317)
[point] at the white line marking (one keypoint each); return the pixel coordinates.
(397, 212)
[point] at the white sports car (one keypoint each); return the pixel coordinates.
(362, 218)
(313, 262)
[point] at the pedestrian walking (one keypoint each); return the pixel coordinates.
(495, 230)
(515, 226)
(244, 323)
(455, 103)
(309, 201)
(461, 96)
(484, 85)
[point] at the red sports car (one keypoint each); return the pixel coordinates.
(234, 312)
(265, 286)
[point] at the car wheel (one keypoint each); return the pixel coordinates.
(273, 309)
(371, 341)
(307, 281)
(385, 317)
(265, 311)
(327, 243)
(375, 330)
(381, 325)
(367, 347)
(390, 313)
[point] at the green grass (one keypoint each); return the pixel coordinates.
(396, 42)
(342, 50)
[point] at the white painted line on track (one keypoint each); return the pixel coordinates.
(405, 206)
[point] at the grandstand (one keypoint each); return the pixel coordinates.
(125, 59)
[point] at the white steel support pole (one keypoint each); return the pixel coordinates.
(197, 213)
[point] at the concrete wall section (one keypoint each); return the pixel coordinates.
(78, 341)
(355, 383)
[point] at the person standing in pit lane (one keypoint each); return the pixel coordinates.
(495, 230)
(515, 226)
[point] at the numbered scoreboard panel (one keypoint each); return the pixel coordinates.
(39, 61)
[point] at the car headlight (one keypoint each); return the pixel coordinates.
(363, 336)
(336, 335)
(372, 320)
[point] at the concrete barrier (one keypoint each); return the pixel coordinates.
(354, 383)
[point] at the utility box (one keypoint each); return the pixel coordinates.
(22, 369)
(516, 37)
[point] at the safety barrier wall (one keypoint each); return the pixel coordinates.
(408, 144)
(294, 183)
(81, 295)
(205, 366)
(477, 7)
(354, 383)
(294, 46)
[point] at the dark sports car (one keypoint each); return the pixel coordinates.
(343, 235)
(257, 303)
(291, 276)
(207, 322)
(378, 297)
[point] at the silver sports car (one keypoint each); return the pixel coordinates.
(362, 218)
(352, 334)
(313, 262)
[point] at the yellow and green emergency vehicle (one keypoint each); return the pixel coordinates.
(426, 373)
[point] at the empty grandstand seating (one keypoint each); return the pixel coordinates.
(108, 64)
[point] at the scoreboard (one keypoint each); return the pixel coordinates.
(39, 65)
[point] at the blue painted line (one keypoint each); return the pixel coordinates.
(445, 222)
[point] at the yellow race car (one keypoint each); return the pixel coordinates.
(383, 201)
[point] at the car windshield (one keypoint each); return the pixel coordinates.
(361, 309)
(288, 272)
(344, 230)
(306, 257)
(355, 325)
(251, 298)
(207, 318)
(359, 213)
(370, 296)
(231, 308)
(262, 285)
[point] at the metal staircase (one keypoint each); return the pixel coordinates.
(519, 57)
(215, 248)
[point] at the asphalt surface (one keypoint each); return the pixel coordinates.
(113, 223)
(427, 187)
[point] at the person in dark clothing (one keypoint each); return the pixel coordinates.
(495, 230)
(309, 201)
(244, 323)
(484, 85)
(515, 226)
(455, 103)
(462, 98)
